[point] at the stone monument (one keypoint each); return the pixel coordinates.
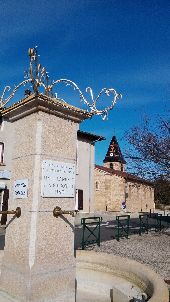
(39, 261)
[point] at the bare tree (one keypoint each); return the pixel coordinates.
(149, 154)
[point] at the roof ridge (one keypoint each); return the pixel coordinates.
(126, 175)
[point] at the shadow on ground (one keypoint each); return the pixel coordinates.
(109, 229)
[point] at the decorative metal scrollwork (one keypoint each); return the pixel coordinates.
(38, 77)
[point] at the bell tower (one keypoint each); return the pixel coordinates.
(114, 158)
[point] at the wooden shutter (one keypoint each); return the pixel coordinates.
(5, 206)
(80, 199)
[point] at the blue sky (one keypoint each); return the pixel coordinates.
(120, 44)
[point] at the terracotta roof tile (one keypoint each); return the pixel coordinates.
(125, 175)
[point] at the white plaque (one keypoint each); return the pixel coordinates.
(5, 174)
(58, 179)
(21, 188)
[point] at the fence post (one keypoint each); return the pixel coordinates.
(147, 224)
(160, 221)
(118, 229)
(128, 220)
(143, 224)
(121, 227)
(140, 230)
(98, 240)
(83, 222)
(88, 227)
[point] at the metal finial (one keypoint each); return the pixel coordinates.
(38, 77)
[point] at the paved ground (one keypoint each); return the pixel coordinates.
(152, 249)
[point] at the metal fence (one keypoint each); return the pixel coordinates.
(91, 231)
(122, 226)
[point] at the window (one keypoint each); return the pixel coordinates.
(80, 199)
(122, 167)
(5, 206)
(97, 185)
(1, 198)
(1, 153)
(111, 166)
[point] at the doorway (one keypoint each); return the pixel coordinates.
(4, 195)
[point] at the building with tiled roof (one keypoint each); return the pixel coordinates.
(117, 190)
(98, 188)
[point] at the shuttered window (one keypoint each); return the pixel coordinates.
(1, 153)
(80, 199)
(5, 206)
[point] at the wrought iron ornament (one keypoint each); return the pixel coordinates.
(38, 77)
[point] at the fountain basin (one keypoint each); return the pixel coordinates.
(107, 278)
(104, 277)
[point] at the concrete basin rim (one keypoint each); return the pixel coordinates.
(137, 273)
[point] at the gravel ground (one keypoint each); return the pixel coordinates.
(152, 249)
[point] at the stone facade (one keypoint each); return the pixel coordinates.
(115, 166)
(85, 153)
(112, 188)
(116, 190)
(107, 195)
(140, 196)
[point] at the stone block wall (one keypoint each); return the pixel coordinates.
(111, 190)
(140, 197)
(116, 166)
(39, 246)
(100, 194)
(118, 192)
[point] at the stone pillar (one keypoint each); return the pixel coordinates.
(39, 262)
